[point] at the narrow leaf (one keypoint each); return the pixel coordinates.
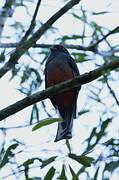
(7, 155)
(111, 166)
(26, 166)
(68, 145)
(96, 174)
(83, 112)
(74, 176)
(50, 174)
(63, 175)
(48, 161)
(46, 122)
(82, 170)
(100, 13)
(84, 160)
(31, 161)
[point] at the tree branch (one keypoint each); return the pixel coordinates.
(64, 86)
(105, 36)
(32, 25)
(22, 48)
(112, 93)
(71, 46)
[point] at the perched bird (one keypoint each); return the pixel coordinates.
(60, 66)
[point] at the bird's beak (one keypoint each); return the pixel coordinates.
(52, 48)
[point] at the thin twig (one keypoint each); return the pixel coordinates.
(105, 36)
(112, 92)
(22, 48)
(32, 25)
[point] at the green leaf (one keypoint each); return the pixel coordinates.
(30, 161)
(26, 166)
(82, 18)
(26, 75)
(46, 122)
(96, 26)
(83, 112)
(50, 174)
(84, 160)
(74, 175)
(14, 71)
(7, 155)
(104, 77)
(96, 174)
(87, 152)
(100, 13)
(76, 16)
(109, 142)
(111, 166)
(80, 57)
(93, 133)
(97, 135)
(73, 37)
(104, 125)
(48, 161)
(68, 145)
(82, 170)
(63, 175)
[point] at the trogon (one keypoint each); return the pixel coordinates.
(60, 66)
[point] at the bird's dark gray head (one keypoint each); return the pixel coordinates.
(59, 48)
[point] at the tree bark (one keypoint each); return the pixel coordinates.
(64, 86)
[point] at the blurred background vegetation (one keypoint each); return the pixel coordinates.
(90, 31)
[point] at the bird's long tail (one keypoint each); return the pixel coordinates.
(65, 127)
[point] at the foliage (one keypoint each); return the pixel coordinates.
(7, 155)
(94, 45)
(46, 122)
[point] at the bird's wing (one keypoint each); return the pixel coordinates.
(75, 70)
(73, 65)
(45, 72)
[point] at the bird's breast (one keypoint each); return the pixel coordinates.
(59, 71)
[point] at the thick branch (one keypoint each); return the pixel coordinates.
(83, 79)
(22, 48)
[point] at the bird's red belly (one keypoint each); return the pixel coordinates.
(59, 74)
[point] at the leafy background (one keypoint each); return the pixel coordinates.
(93, 152)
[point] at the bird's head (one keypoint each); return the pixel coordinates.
(59, 48)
